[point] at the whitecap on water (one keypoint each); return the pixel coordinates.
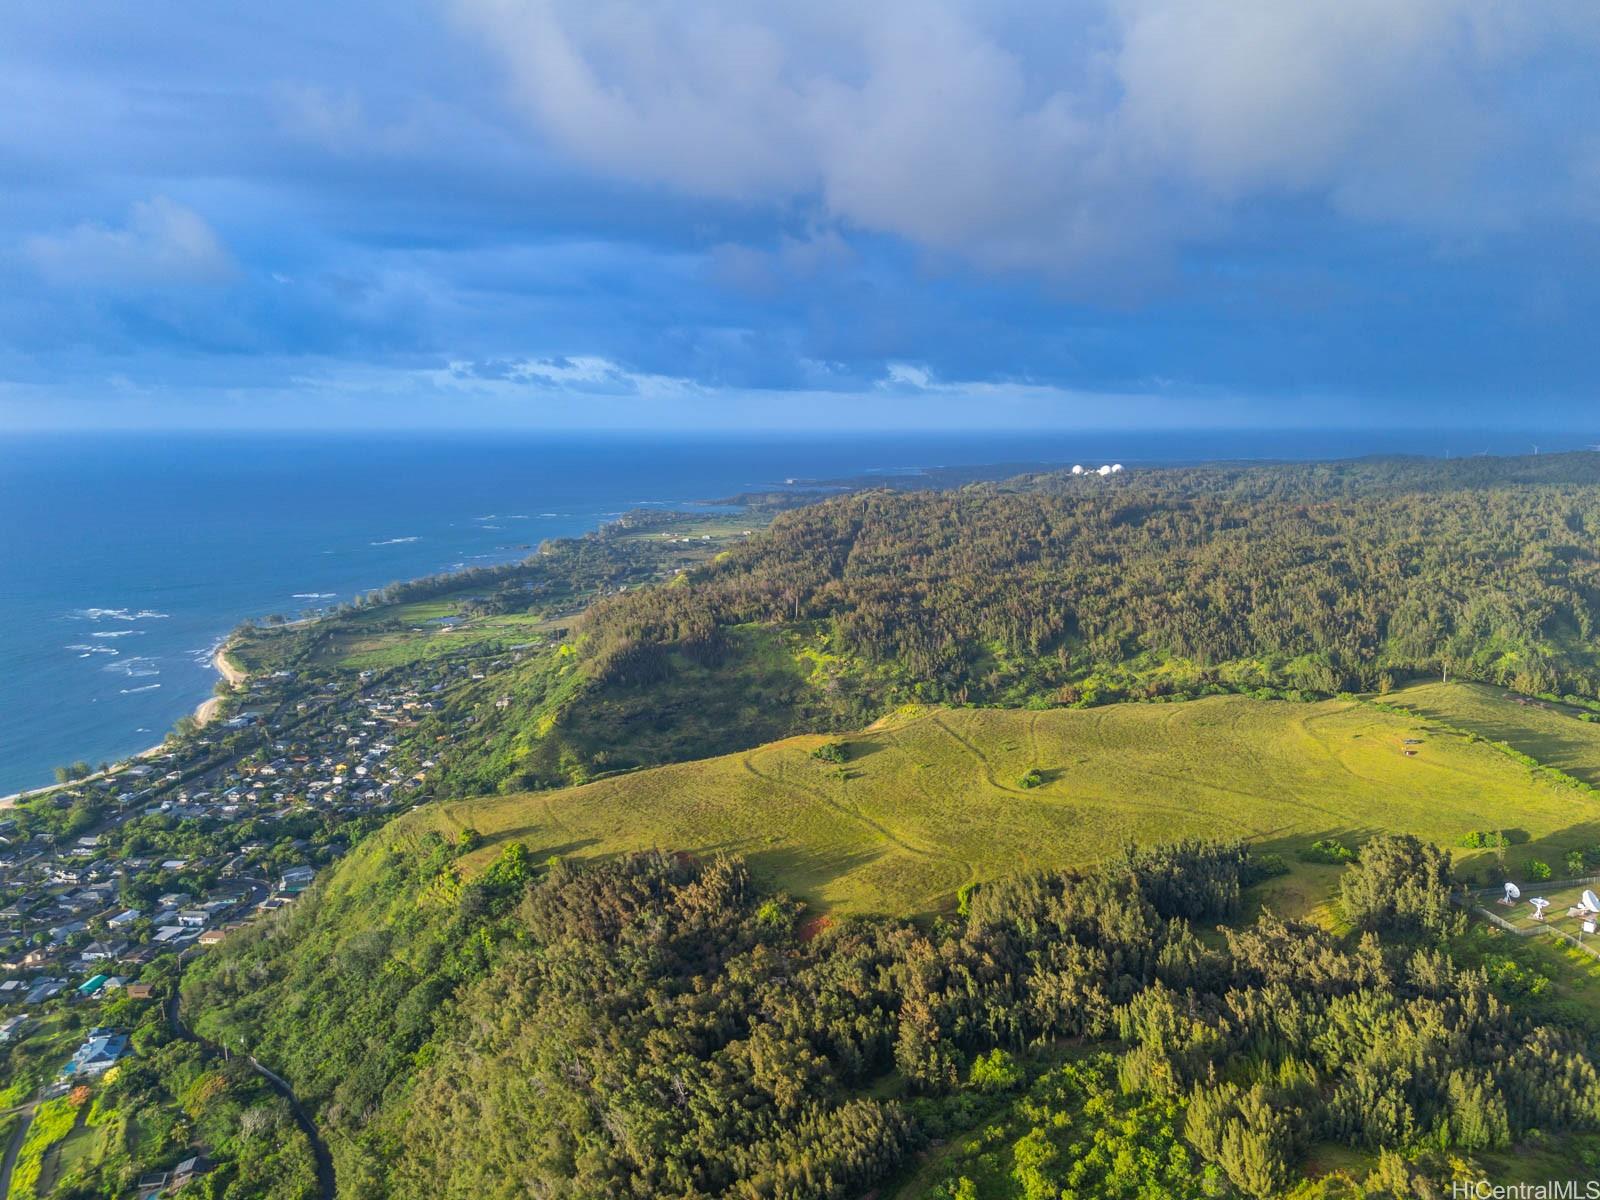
(149, 687)
(118, 614)
(102, 614)
(395, 541)
(135, 668)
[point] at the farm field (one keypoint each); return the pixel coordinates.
(928, 800)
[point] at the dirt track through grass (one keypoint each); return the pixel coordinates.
(926, 799)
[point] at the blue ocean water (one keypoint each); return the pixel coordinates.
(124, 559)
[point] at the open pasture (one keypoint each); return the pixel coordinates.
(928, 800)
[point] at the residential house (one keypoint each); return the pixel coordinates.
(188, 1171)
(99, 1052)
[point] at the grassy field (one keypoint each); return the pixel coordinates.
(927, 801)
(52, 1121)
(1550, 732)
(391, 636)
(444, 637)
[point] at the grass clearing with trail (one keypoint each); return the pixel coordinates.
(52, 1121)
(1553, 733)
(927, 800)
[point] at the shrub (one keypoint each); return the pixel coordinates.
(964, 896)
(1032, 778)
(1538, 870)
(1262, 866)
(1327, 850)
(830, 752)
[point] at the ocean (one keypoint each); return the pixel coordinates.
(124, 559)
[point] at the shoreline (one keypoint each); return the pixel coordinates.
(205, 712)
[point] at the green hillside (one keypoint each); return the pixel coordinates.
(1558, 735)
(928, 800)
(443, 980)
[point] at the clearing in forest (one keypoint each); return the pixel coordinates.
(927, 800)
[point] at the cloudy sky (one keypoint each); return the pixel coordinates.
(713, 213)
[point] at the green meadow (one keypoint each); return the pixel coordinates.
(928, 800)
(1555, 734)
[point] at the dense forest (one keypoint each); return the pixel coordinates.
(1318, 578)
(659, 1027)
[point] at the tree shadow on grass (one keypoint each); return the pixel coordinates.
(528, 835)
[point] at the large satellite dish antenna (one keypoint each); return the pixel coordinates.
(1539, 905)
(1513, 892)
(1591, 901)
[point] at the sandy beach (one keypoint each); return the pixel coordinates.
(204, 714)
(229, 670)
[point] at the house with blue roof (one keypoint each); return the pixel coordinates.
(99, 1052)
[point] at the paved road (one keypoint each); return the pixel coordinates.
(319, 1148)
(13, 1150)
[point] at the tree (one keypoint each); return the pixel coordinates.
(996, 1071)
(1477, 1109)
(1400, 884)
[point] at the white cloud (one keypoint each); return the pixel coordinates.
(579, 374)
(1071, 136)
(162, 243)
(593, 390)
(908, 375)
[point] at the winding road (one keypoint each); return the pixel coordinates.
(319, 1149)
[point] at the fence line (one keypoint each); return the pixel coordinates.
(1550, 884)
(1589, 948)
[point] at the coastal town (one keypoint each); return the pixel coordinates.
(320, 732)
(108, 884)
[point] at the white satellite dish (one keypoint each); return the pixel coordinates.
(1539, 905)
(1513, 892)
(1591, 902)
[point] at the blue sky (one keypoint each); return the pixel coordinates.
(483, 213)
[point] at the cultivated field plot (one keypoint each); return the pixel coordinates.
(926, 801)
